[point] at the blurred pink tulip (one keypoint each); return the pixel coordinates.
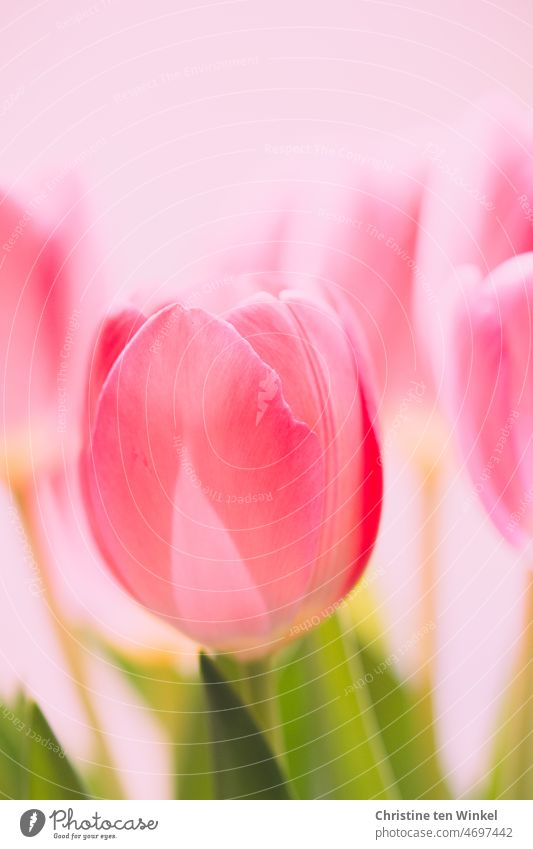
(50, 289)
(478, 209)
(347, 233)
(232, 472)
(491, 357)
(357, 240)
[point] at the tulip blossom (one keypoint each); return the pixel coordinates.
(49, 291)
(477, 210)
(347, 231)
(491, 344)
(350, 233)
(358, 239)
(231, 473)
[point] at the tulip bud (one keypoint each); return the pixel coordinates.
(231, 471)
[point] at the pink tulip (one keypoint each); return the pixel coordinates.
(345, 231)
(50, 289)
(348, 233)
(232, 471)
(358, 240)
(478, 209)
(491, 355)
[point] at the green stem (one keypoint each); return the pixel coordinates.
(260, 693)
(429, 545)
(515, 768)
(428, 620)
(70, 646)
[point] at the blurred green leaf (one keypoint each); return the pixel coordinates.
(12, 772)
(31, 758)
(194, 779)
(512, 773)
(406, 729)
(157, 682)
(178, 703)
(243, 764)
(50, 774)
(332, 744)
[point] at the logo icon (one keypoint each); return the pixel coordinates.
(32, 822)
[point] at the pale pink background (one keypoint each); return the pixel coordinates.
(175, 164)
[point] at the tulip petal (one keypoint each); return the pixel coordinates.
(491, 349)
(187, 382)
(308, 346)
(52, 290)
(514, 282)
(26, 315)
(474, 211)
(114, 334)
(214, 589)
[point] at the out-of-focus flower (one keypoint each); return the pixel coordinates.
(49, 295)
(33, 658)
(31, 655)
(359, 242)
(232, 471)
(346, 231)
(491, 358)
(350, 234)
(478, 210)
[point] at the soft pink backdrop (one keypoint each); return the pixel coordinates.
(174, 115)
